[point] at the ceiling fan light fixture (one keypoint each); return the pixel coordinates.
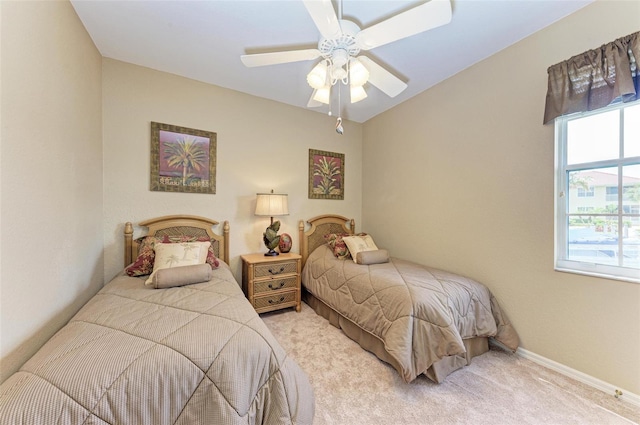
(339, 57)
(323, 94)
(358, 74)
(338, 73)
(317, 77)
(357, 93)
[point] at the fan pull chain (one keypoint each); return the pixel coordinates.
(339, 128)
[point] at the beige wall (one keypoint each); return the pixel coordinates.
(51, 174)
(467, 185)
(262, 145)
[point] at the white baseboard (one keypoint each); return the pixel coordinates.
(626, 396)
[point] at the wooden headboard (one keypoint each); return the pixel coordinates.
(178, 225)
(320, 226)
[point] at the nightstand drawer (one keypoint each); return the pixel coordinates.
(267, 286)
(275, 269)
(275, 300)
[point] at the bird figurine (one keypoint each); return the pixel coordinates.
(339, 128)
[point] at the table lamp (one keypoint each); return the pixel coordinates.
(271, 204)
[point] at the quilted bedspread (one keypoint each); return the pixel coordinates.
(421, 314)
(197, 354)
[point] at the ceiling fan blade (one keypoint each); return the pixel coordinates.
(262, 59)
(324, 16)
(312, 102)
(421, 18)
(382, 79)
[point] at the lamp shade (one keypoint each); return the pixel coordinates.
(358, 74)
(323, 95)
(272, 204)
(318, 75)
(357, 93)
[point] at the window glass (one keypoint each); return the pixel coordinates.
(631, 189)
(632, 131)
(590, 188)
(593, 138)
(593, 237)
(631, 216)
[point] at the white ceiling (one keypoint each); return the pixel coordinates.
(203, 40)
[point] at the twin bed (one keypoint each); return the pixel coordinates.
(195, 351)
(418, 319)
(188, 354)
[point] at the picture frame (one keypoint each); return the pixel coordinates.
(182, 159)
(326, 175)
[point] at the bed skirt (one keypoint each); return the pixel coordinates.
(437, 372)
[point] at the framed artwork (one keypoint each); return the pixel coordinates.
(326, 175)
(182, 159)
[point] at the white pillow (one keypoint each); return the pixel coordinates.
(358, 244)
(170, 255)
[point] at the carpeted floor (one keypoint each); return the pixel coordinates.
(353, 387)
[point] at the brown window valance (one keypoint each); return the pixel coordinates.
(595, 78)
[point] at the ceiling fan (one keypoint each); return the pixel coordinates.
(341, 43)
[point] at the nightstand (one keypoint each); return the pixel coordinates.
(272, 283)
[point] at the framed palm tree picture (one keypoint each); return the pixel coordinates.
(182, 159)
(326, 175)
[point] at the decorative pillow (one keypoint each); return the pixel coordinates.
(377, 256)
(211, 256)
(180, 276)
(337, 245)
(169, 255)
(359, 243)
(144, 263)
(146, 254)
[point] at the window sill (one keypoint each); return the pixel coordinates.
(597, 274)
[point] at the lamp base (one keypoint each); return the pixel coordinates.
(271, 253)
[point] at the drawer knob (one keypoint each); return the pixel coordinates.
(277, 271)
(276, 302)
(277, 286)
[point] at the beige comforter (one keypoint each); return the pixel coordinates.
(196, 354)
(421, 314)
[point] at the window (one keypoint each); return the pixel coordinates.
(598, 192)
(585, 193)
